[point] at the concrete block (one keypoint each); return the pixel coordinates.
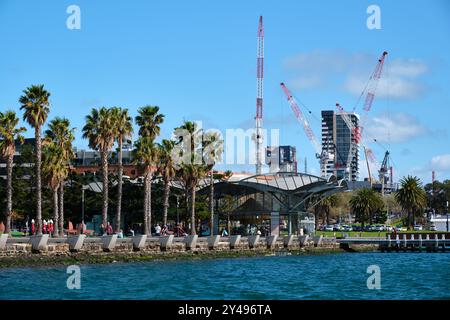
(3, 239)
(317, 240)
(139, 241)
(39, 243)
(302, 240)
(76, 242)
(191, 242)
(109, 242)
(166, 242)
(235, 241)
(271, 241)
(213, 241)
(253, 241)
(287, 241)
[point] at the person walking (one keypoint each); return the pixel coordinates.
(158, 230)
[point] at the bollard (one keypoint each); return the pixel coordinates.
(253, 241)
(109, 242)
(303, 240)
(287, 241)
(166, 242)
(213, 241)
(76, 242)
(317, 240)
(271, 241)
(191, 242)
(139, 242)
(39, 243)
(3, 239)
(235, 241)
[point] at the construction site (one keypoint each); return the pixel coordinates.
(343, 138)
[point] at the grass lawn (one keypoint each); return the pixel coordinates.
(351, 234)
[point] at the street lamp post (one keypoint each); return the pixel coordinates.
(447, 216)
(178, 218)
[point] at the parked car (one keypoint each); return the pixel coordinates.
(329, 228)
(356, 228)
(432, 227)
(418, 227)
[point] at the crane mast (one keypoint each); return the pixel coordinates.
(259, 95)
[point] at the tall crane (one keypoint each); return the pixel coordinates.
(321, 154)
(259, 95)
(371, 89)
(356, 131)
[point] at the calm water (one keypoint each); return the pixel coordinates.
(333, 276)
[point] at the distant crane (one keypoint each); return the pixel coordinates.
(259, 95)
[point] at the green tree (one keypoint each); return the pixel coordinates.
(124, 127)
(9, 134)
(213, 144)
(365, 204)
(35, 103)
(62, 136)
(166, 169)
(54, 169)
(411, 197)
(100, 131)
(146, 154)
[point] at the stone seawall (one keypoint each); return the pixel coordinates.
(79, 249)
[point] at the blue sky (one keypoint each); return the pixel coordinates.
(196, 60)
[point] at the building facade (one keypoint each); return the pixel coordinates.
(339, 143)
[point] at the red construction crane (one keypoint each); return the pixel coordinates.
(320, 154)
(371, 89)
(259, 95)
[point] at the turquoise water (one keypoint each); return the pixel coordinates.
(331, 276)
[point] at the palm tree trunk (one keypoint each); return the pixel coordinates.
(104, 155)
(211, 201)
(37, 134)
(193, 232)
(166, 200)
(147, 192)
(61, 209)
(316, 217)
(9, 166)
(150, 202)
(119, 188)
(55, 212)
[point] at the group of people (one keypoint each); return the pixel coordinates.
(47, 227)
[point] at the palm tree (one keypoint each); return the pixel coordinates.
(326, 205)
(191, 166)
(100, 131)
(213, 152)
(146, 153)
(365, 203)
(60, 133)
(9, 134)
(35, 103)
(166, 169)
(124, 127)
(411, 197)
(54, 169)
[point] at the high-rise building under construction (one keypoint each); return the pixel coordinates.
(340, 143)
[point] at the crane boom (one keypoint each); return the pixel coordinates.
(371, 89)
(301, 118)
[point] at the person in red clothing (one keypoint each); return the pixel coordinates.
(33, 227)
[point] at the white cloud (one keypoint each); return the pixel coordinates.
(314, 69)
(441, 162)
(397, 128)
